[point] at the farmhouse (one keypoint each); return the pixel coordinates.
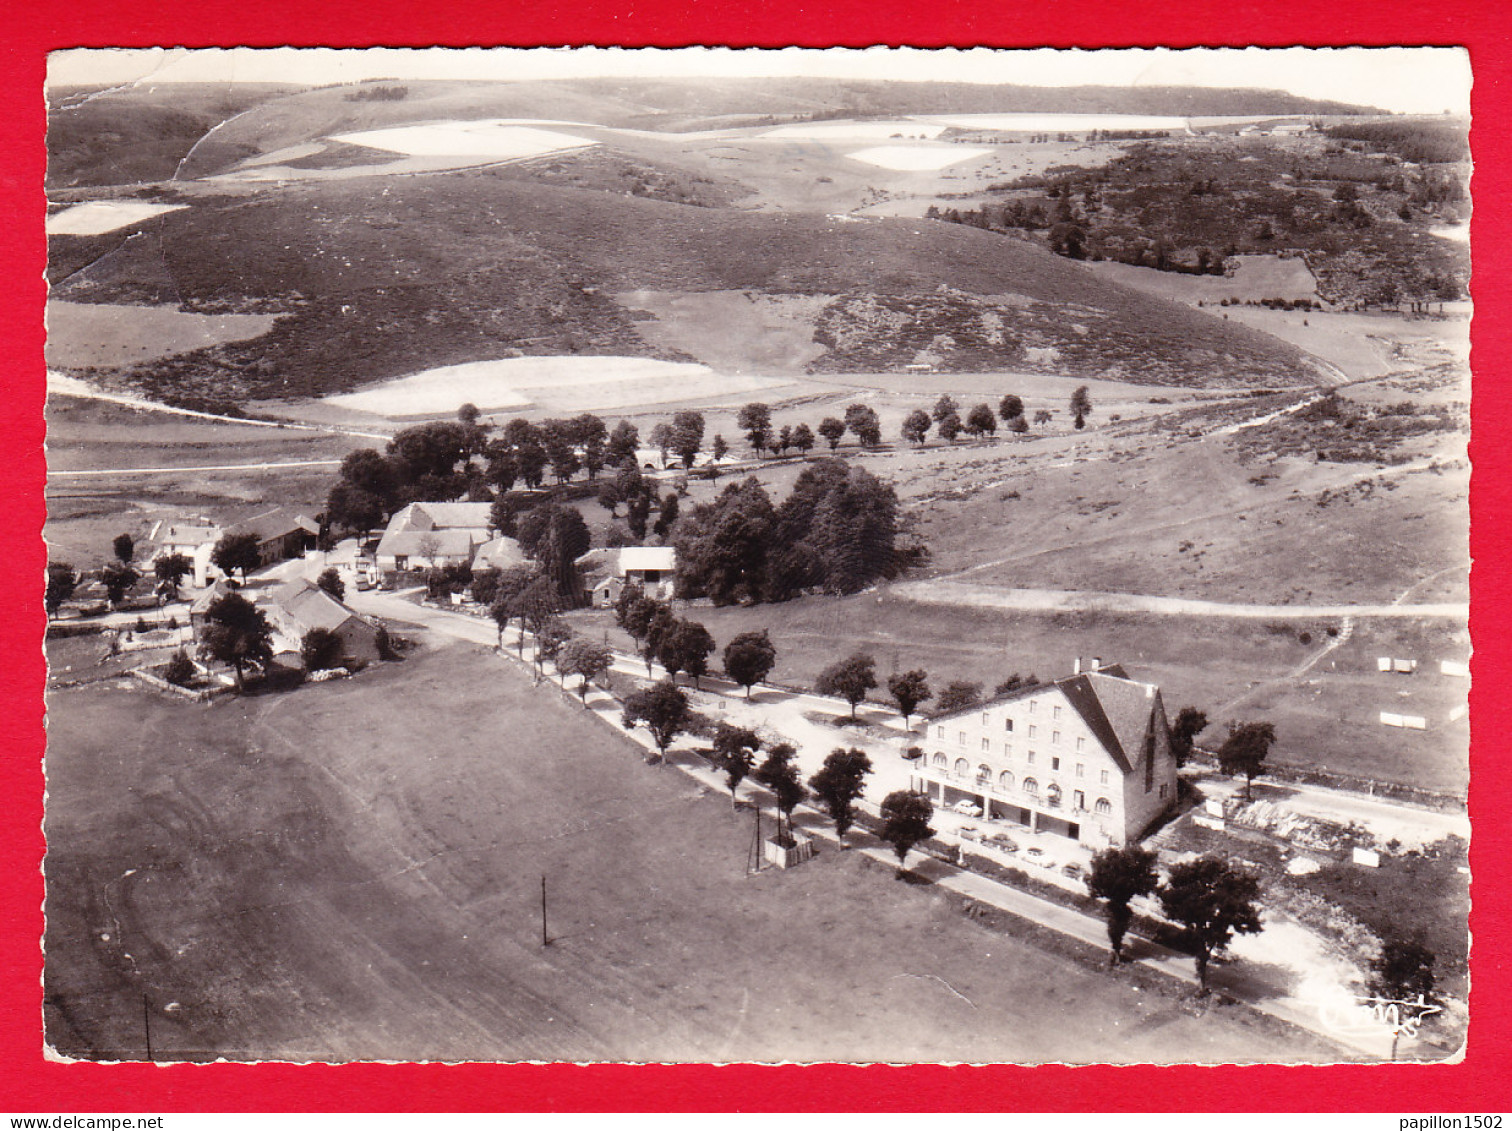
(653, 568)
(499, 553)
(1088, 757)
(280, 534)
(300, 606)
(195, 541)
(426, 535)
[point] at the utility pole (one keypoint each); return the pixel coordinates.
(147, 1025)
(545, 938)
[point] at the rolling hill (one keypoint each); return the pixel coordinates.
(381, 276)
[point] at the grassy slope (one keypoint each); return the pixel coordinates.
(388, 276)
(317, 875)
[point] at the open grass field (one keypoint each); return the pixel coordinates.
(307, 876)
(116, 336)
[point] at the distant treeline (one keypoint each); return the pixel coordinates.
(379, 94)
(1422, 142)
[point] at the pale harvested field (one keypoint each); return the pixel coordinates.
(100, 216)
(1256, 277)
(487, 140)
(911, 158)
(115, 336)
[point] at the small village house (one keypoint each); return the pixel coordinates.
(1087, 757)
(194, 540)
(300, 606)
(653, 568)
(427, 535)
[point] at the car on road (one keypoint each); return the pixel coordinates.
(1039, 856)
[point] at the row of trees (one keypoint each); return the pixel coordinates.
(837, 531)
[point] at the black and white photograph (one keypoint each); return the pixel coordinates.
(717, 556)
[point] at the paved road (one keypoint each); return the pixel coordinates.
(55, 474)
(1056, 600)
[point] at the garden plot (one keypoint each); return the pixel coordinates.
(490, 139)
(561, 383)
(917, 158)
(108, 336)
(100, 216)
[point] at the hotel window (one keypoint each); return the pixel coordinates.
(1031, 757)
(941, 761)
(1081, 744)
(1053, 796)
(984, 774)
(1032, 730)
(1081, 770)
(1054, 763)
(1081, 799)
(985, 719)
(986, 744)
(1008, 724)
(961, 737)
(1103, 777)
(1032, 706)
(1055, 736)
(1031, 787)
(1102, 808)
(939, 732)
(1055, 711)
(1005, 781)
(962, 767)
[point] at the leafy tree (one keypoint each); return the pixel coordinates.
(434, 449)
(916, 426)
(124, 547)
(1190, 722)
(1018, 425)
(735, 753)
(557, 437)
(780, 776)
(666, 516)
(484, 586)
(236, 552)
(1010, 408)
(556, 536)
(171, 569)
(588, 659)
(784, 439)
(755, 420)
(1119, 875)
(840, 783)
(1212, 900)
(1043, 416)
(321, 649)
(61, 583)
(848, 519)
(687, 436)
(179, 670)
(905, 821)
(352, 508)
(718, 449)
(803, 438)
(749, 659)
(1244, 751)
(850, 679)
(550, 637)
(507, 601)
(1402, 971)
(535, 605)
(980, 421)
(624, 442)
(958, 695)
(330, 581)
(949, 428)
(864, 424)
(118, 581)
(945, 406)
(722, 546)
(1014, 682)
(592, 436)
(661, 439)
(1080, 405)
(832, 430)
(468, 413)
(662, 708)
(633, 609)
(908, 690)
(236, 632)
(688, 645)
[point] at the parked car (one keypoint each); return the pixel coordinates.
(1039, 856)
(1073, 869)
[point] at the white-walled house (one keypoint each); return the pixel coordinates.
(195, 541)
(423, 535)
(1087, 757)
(653, 568)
